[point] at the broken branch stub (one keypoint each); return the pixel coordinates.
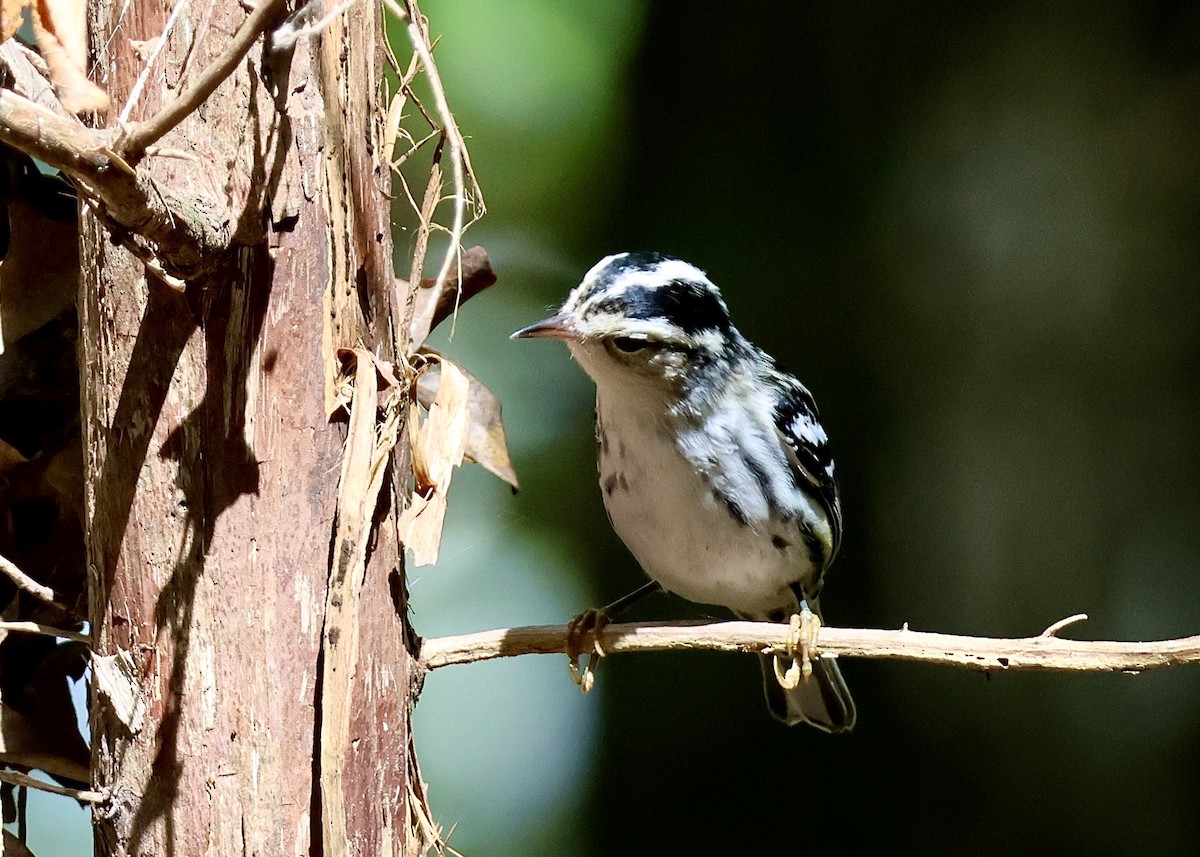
(433, 305)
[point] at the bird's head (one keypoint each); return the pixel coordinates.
(641, 316)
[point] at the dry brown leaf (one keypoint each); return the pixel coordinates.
(10, 458)
(439, 443)
(10, 17)
(60, 27)
(422, 481)
(33, 744)
(67, 21)
(487, 444)
(40, 275)
(44, 733)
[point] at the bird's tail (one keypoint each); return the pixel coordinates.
(821, 700)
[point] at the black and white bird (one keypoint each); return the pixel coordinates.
(715, 469)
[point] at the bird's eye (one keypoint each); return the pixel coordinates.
(629, 344)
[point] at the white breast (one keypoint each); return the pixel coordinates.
(664, 508)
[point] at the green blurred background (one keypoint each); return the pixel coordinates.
(973, 230)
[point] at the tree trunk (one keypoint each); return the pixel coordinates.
(212, 463)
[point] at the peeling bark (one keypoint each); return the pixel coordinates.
(212, 464)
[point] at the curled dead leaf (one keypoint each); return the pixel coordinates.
(487, 444)
(422, 480)
(38, 725)
(33, 743)
(10, 18)
(60, 27)
(438, 446)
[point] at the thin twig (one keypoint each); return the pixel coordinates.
(136, 92)
(45, 631)
(147, 133)
(190, 243)
(27, 584)
(402, 318)
(979, 653)
(167, 152)
(129, 240)
(1055, 627)
(412, 200)
(416, 146)
(304, 24)
(16, 778)
(460, 161)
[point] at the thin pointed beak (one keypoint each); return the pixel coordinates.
(555, 327)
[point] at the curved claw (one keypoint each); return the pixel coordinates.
(590, 621)
(789, 679)
(801, 646)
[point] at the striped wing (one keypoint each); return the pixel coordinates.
(800, 430)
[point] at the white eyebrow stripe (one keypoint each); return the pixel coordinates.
(600, 266)
(677, 269)
(586, 297)
(660, 275)
(651, 328)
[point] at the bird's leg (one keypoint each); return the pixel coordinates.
(588, 621)
(593, 622)
(801, 646)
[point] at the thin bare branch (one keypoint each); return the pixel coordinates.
(404, 305)
(145, 134)
(186, 236)
(460, 161)
(16, 778)
(416, 146)
(138, 85)
(27, 584)
(61, 142)
(45, 631)
(978, 653)
(1055, 627)
(416, 34)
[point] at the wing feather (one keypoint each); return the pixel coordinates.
(799, 428)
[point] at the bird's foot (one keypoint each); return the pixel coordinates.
(801, 647)
(589, 622)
